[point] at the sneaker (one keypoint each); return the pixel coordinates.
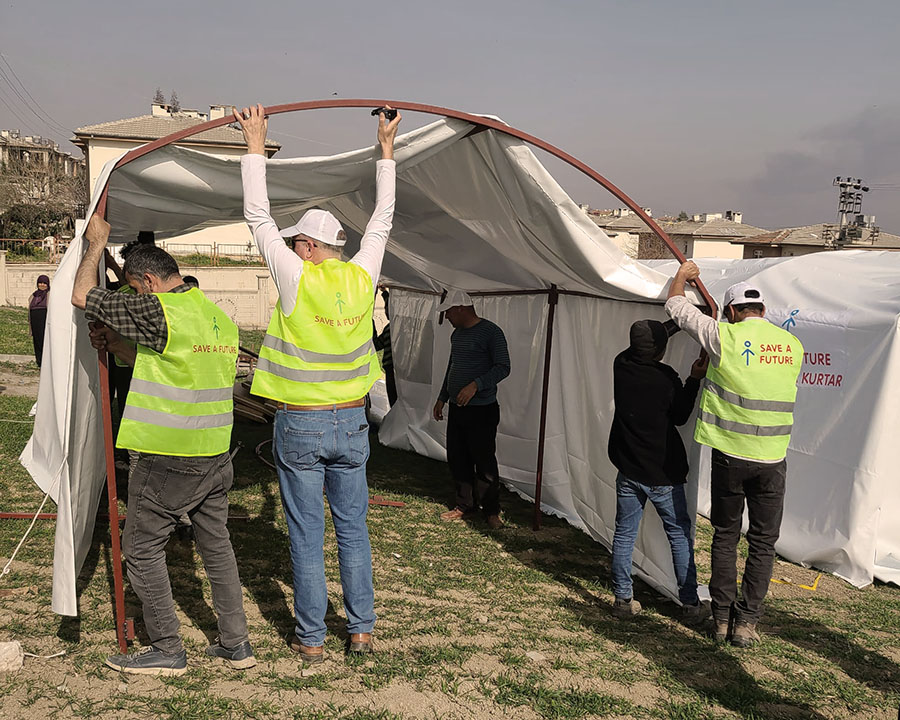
(360, 644)
(310, 654)
(239, 657)
(454, 514)
(494, 522)
(694, 614)
(149, 661)
(745, 635)
(626, 608)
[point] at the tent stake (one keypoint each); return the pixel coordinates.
(552, 299)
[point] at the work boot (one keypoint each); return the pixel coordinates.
(623, 608)
(694, 614)
(240, 657)
(360, 644)
(721, 630)
(745, 635)
(310, 654)
(149, 661)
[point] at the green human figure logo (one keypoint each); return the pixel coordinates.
(216, 327)
(339, 303)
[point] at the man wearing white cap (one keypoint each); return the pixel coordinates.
(479, 360)
(746, 417)
(318, 362)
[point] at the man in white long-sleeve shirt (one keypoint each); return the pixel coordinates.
(318, 362)
(746, 417)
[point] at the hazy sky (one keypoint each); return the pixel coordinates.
(702, 106)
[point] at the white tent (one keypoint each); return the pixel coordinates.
(478, 211)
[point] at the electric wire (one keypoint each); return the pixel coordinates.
(47, 117)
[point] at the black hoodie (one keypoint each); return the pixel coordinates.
(650, 403)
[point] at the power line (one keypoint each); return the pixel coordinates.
(10, 107)
(43, 116)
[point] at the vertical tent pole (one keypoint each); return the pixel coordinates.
(121, 623)
(115, 545)
(552, 299)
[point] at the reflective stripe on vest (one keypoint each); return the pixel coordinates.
(322, 353)
(748, 400)
(180, 401)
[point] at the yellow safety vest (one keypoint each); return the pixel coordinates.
(748, 400)
(322, 353)
(181, 400)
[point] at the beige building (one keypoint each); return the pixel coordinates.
(105, 141)
(37, 166)
(705, 235)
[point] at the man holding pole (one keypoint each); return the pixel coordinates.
(318, 362)
(746, 417)
(177, 421)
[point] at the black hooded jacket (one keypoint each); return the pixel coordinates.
(650, 403)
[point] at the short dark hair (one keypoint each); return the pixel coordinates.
(150, 259)
(754, 307)
(191, 280)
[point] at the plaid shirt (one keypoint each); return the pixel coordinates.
(135, 317)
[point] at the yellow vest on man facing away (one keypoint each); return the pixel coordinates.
(322, 353)
(181, 400)
(748, 400)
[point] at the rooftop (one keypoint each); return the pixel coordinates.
(153, 127)
(817, 234)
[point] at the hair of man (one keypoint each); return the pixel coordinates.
(149, 259)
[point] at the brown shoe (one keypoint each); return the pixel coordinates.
(360, 643)
(454, 514)
(745, 635)
(494, 522)
(721, 631)
(310, 654)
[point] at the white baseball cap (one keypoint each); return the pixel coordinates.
(319, 225)
(455, 298)
(743, 293)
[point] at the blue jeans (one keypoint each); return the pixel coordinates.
(316, 449)
(671, 506)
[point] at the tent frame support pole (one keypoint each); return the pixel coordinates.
(552, 300)
(124, 626)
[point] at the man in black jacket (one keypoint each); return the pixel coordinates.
(647, 450)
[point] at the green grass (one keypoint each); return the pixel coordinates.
(202, 260)
(15, 337)
(459, 606)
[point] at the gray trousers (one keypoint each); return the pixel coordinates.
(160, 490)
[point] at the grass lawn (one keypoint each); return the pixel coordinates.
(15, 337)
(473, 623)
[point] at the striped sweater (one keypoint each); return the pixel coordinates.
(477, 353)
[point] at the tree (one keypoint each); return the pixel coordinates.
(173, 101)
(158, 97)
(38, 199)
(682, 216)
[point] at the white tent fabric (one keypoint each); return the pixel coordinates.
(481, 213)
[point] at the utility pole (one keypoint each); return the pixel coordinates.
(849, 201)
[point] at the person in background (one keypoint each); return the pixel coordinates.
(479, 360)
(37, 316)
(383, 342)
(318, 363)
(746, 417)
(177, 421)
(646, 448)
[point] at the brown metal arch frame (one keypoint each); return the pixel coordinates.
(124, 627)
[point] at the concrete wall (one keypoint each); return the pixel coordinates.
(246, 294)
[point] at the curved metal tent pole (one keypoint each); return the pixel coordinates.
(480, 122)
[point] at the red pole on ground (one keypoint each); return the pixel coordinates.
(552, 300)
